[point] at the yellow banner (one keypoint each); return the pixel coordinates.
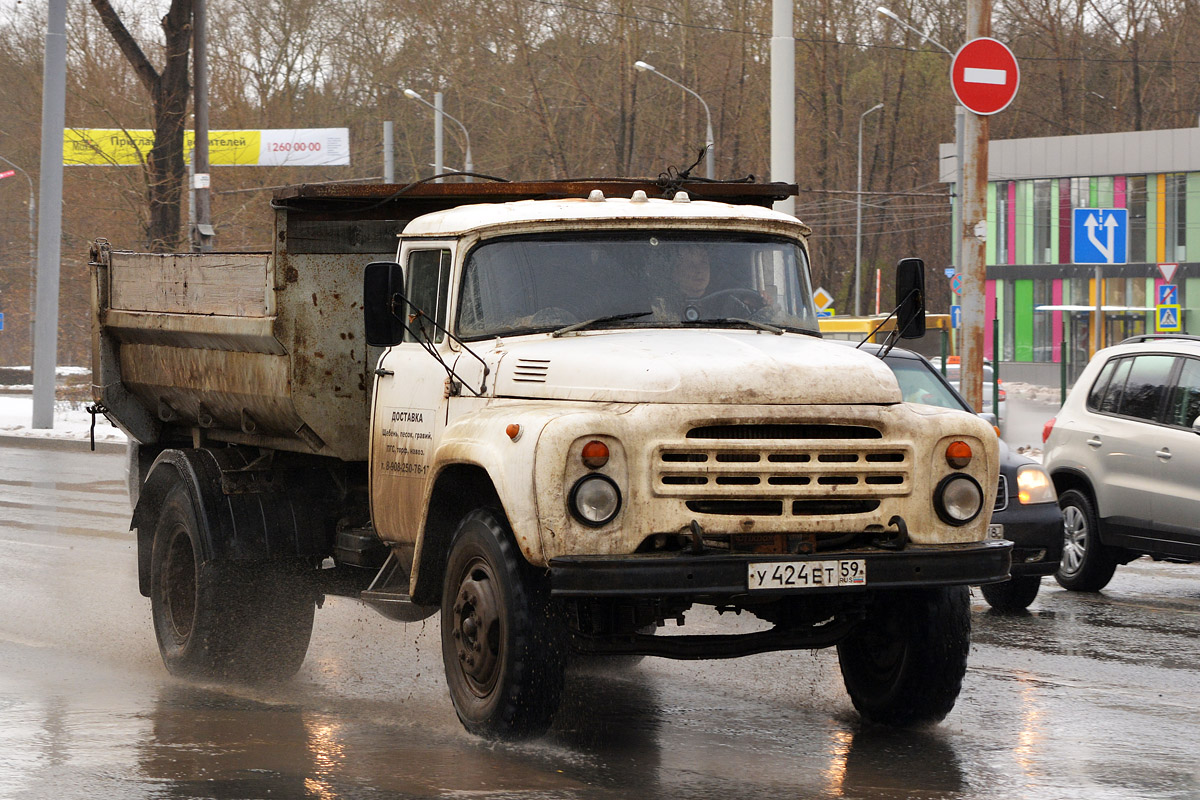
(113, 147)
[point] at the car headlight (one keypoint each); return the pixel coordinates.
(1034, 485)
(595, 500)
(958, 499)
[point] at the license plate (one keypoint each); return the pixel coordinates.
(995, 531)
(806, 574)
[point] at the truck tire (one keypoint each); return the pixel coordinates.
(502, 650)
(905, 663)
(220, 620)
(1014, 594)
(1087, 565)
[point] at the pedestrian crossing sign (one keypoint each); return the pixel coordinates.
(1167, 319)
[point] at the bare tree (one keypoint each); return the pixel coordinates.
(168, 89)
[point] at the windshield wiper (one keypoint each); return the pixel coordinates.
(578, 326)
(762, 326)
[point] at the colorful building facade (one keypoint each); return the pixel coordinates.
(1034, 287)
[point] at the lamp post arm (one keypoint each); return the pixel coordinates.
(925, 37)
(468, 166)
(708, 145)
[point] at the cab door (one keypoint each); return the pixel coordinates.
(409, 410)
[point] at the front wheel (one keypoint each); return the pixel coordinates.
(221, 620)
(905, 663)
(1087, 565)
(1014, 594)
(503, 652)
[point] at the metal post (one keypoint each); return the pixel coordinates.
(783, 99)
(54, 96)
(439, 162)
(1062, 372)
(202, 178)
(389, 167)
(973, 229)
(858, 218)
(1098, 334)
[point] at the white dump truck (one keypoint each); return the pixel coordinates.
(560, 414)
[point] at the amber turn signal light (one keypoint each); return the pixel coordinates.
(595, 454)
(958, 454)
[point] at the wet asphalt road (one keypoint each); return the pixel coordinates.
(1088, 696)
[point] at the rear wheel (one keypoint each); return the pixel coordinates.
(503, 652)
(905, 663)
(1014, 594)
(1087, 565)
(221, 620)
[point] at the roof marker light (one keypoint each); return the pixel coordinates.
(639, 197)
(596, 196)
(681, 197)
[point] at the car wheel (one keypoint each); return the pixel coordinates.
(502, 651)
(1014, 594)
(219, 619)
(1087, 565)
(905, 663)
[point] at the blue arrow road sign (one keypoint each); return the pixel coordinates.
(955, 316)
(1168, 294)
(1099, 235)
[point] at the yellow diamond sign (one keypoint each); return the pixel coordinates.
(822, 298)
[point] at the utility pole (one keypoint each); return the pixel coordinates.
(201, 181)
(54, 109)
(973, 230)
(783, 99)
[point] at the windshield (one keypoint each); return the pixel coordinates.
(537, 283)
(919, 383)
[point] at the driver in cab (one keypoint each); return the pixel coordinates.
(689, 296)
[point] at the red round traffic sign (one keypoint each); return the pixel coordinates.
(985, 76)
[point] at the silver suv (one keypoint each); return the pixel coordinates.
(1124, 454)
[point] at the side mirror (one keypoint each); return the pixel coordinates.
(910, 298)
(382, 281)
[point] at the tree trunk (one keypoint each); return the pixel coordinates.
(168, 90)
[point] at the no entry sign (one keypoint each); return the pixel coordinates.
(985, 76)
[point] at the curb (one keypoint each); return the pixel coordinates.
(62, 445)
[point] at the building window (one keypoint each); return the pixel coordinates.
(1176, 213)
(1001, 222)
(1041, 223)
(1008, 324)
(1043, 321)
(1135, 201)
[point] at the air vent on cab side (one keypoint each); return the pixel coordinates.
(531, 370)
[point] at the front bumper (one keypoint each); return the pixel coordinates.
(1036, 532)
(724, 575)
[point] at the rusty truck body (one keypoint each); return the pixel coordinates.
(504, 404)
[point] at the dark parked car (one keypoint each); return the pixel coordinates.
(1026, 510)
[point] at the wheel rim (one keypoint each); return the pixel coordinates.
(1075, 534)
(179, 583)
(477, 627)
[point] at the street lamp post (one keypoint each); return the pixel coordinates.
(956, 242)
(468, 167)
(708, 134)
(858, 217)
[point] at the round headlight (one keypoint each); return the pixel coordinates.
(595, 500)
(958, 499)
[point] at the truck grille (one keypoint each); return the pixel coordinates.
(783, 470)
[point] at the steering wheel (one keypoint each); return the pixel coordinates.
(749, 299)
